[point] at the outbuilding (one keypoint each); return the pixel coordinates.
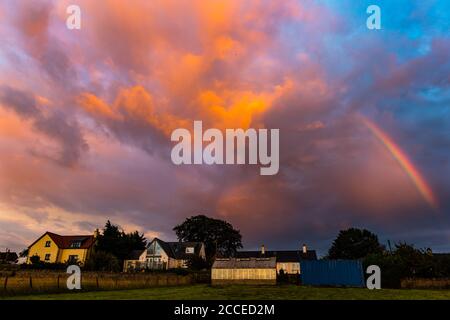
(244, 271)
(336, 273)
(287, 260)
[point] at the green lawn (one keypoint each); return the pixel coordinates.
(206, 292)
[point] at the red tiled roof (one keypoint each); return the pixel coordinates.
(65, 242)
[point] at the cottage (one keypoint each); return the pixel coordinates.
(136, 261)
(244, 271)
(287, 260)
(168, 255)
(55, 248)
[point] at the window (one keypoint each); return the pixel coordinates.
(47, 257)
(73, 259)
(189, 249)
(76, 244)
(154, 249)
(47, 244)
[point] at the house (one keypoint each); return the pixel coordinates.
(244, 271)
(55, 248)
(169, 255)
(137, 260)
(287, 260)
(22, 260)
(8, 257)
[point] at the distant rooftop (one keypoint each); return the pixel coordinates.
(245, 263)
(280, 255)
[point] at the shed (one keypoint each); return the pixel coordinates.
(244, 271)
(287, 260)
(348, 273)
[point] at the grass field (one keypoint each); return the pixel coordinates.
(206, 292)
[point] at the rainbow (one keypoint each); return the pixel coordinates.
(420, 183)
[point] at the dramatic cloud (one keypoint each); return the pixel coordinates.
(54, 124)
(86, 117)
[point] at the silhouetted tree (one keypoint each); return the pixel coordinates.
(354, 244)
(115, 241)
(195, 262)
(218, 236)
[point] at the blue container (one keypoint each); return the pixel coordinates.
(332, 273)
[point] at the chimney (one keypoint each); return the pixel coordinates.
(96, 233)
(263, 250)
(304, 249)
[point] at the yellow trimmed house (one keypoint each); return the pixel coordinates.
(54, 248)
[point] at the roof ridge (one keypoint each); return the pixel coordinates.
(70, 235)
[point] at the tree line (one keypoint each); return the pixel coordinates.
(400, 262)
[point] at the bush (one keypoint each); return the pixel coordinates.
(282, 277)
(103, 261)
(408, 262)
(392, 270)
(196, 263)
(35, 259)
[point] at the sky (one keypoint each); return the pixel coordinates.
(86, 117)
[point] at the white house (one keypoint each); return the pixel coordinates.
(169, 255)
(135, 261)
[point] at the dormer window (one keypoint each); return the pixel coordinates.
(189, 249)
(47, 244)
(76, 244)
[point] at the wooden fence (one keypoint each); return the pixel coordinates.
(46, 282)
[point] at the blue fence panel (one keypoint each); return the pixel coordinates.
(332, 273)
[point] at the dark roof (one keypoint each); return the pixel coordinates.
(8, 256)
(280, 255)
(177, 250)
(135, 254)
(245, 263)
(65, 242)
